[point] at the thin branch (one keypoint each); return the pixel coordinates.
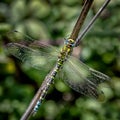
(73, 36)
(30, 108)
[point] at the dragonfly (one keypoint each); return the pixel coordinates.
(78, 75)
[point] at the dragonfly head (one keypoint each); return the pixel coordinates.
(70, 42)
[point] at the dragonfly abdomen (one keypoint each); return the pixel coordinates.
(44, 90)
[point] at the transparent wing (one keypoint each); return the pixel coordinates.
(83, 79)
(35, 58)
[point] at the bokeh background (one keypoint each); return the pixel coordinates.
(53, 20)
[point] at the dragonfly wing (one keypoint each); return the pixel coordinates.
(34, 58)
(83, 79)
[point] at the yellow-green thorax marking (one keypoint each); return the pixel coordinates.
(66, 51)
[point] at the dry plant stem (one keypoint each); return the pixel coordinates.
(73, 36)
(81, 19)
(30, 108)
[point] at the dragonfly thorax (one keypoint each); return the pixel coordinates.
(65, 51)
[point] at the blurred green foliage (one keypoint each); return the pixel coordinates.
(53, 20)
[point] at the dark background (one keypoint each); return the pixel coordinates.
(52, 21)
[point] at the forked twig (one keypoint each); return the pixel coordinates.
(91, 22)
(73, 36)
